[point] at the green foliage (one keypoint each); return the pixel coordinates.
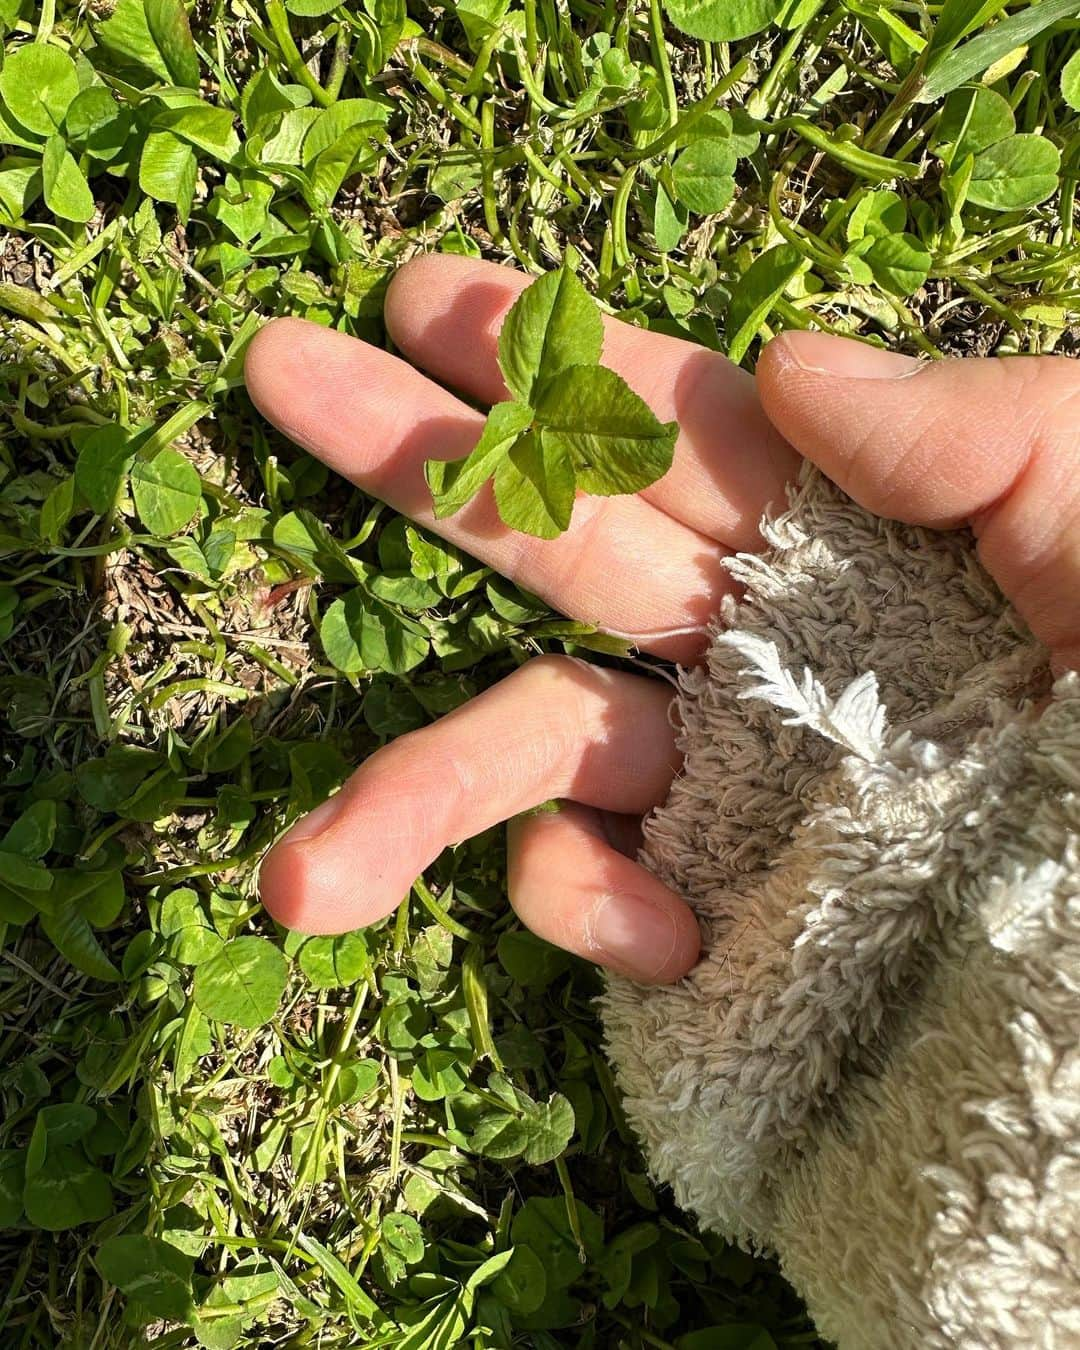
(242, 983)
(722, 20)
(152, 1272)
(1070, 81)
(1015, 173)
(575, 425)
(407, 1136)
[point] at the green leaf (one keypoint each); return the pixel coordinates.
(402, 1233)
(550, 1127)
(98, 895)
(530, 961)
(703, 175)
(263, 98)
(167, 23)
(302, 534)
(37, 83)
(669, 221)
(521, 1285)
(973, 119)
(108, 782)
(900, 263)
(167, 492)
(454, 482)
(553, 324)
(338, 161)
(192, 937)
(756, 292)
(155, 1273)
(243, 983)
(66, 1191)
(876, 213)
(542, 1224)
(329, 125)
(209, 128)
(24, 874)
(1070, 82)
(958, 18)
(500, 1135)
(31, 836)
(67, 193)
(534, 486)
(126, 34)
(615, 441)
(56, 510)
(167, 170)
(20, 187)
(72, 936)
(488, 1270)
(334, 962)
(1018, 172)
(963, 63)
(286, 145)
(242, 204)
(97, 122)
(13, 908)
(63, 1189)
(361, 633)
(355, 1081)
(722, 20)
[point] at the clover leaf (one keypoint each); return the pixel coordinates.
(572, 424)
(38, 83)
(243, 983)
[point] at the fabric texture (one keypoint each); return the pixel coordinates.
(874, 1071)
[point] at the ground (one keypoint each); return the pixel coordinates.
(213, 1133)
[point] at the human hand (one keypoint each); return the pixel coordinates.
(993, 442)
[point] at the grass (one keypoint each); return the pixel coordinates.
(344, 1152)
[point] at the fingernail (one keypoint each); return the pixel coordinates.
(315, 822)
(634, 934)
(823, 354)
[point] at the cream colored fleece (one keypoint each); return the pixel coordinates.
(874, 1071)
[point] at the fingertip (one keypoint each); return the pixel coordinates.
(444, 312)
(270, 357)
(282, 888)
(574, 890)
(645, 932)
(412, 288)
(322, 887)
(420, 288)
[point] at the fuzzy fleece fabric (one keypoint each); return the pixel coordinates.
(874, 1071)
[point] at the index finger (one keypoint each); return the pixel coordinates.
(623, 565)
(729, 461)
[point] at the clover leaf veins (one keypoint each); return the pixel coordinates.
(570, 425)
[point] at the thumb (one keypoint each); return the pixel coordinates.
(993, 442)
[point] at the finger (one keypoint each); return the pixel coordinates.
(992, 441)
(555, 728)
(623, 565)
(445, 312)
(573, 888)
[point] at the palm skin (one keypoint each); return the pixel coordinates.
(992, 442)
